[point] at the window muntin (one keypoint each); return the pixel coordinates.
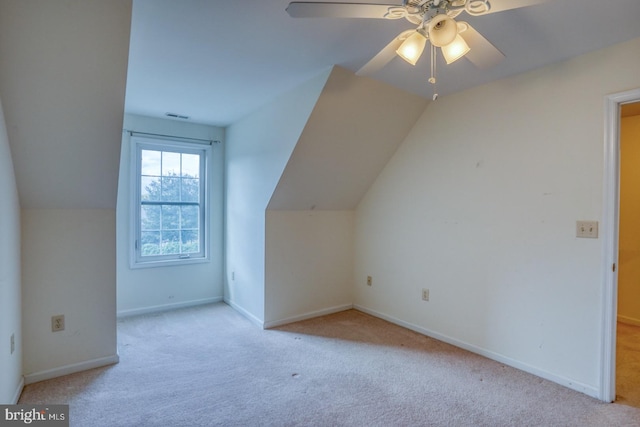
(170, 203)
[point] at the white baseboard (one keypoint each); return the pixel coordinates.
(567, 382)
(70, 369)
(628, 320)
(167, 307)
(16, 395)
(245, 313)
(310, 315)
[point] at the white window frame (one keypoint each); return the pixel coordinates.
(138, 143)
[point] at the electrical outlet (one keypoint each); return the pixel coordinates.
(425, 294)
(57, 323)
(369, 281)
(13, 343)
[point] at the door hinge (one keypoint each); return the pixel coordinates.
(613, 267)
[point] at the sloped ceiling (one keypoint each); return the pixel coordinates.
(63, 67)
(352, 132)
(217, 61)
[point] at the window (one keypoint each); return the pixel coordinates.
(170, 209)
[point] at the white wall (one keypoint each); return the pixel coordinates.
(151, 289)
(309, 264)
(68, 267)
(355, 127)
(62, 81)
(258, 148)
(10, 298)
(479, 205)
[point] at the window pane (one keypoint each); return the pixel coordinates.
(190, 241)
(191, 165)
(170, 242)
(149, 188)
(170, 164)
(170, 217)
(190, 217)
(150, 243)
(190, 190)
(170, 210)
(150, 217)
(150, 162)
(170, 189)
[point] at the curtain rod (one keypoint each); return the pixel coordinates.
(181, 138)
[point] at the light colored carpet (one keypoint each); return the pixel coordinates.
(208, 366)
(628, 365)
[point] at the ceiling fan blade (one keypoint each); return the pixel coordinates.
(482, 54)
(383, 57)
(298, 9)
(500, 5)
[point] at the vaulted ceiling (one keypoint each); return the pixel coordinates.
(63, 71)
(216, 61)
(354, 129)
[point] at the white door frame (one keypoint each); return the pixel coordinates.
(610, 218)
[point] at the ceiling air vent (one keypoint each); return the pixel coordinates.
(177, 116)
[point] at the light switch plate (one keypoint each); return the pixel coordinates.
(587, 229)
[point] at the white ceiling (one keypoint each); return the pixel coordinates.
(336, 161)
(216, 61)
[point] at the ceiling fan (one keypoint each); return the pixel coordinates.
(435, 20)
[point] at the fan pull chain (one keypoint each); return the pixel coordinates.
(432, 79)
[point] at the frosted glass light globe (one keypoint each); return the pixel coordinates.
(442, 30)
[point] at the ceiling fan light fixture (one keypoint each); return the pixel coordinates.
(455, 50)
(411, 49)
(442, 30)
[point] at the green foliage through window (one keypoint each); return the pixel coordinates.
(170, 201)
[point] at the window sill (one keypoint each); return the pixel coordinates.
(168, 263)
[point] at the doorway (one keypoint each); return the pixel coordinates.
(628, 301)
(614, 104)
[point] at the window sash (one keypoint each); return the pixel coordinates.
(181, 233)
